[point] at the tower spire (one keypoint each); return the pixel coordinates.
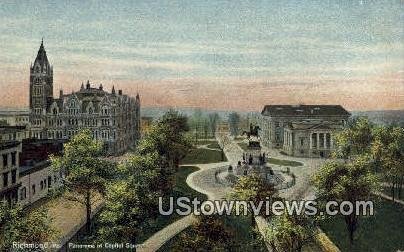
(41, 47)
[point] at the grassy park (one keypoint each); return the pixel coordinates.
(214, 145)
(381, 232)
(203, 156)
(283, 162)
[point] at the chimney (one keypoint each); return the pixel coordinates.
(61, 93)
(120, 91)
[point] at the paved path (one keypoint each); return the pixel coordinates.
(164, 235)
(204, 181)
(385, 196)
(205, 146)
(302, 188)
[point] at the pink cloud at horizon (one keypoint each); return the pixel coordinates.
(375, 93)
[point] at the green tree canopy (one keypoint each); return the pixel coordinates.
(86, 173)
(336, 181)
(354, 140)
(388, 152)
(17, 225)
(207, 234)
(289, 233)
(132, 200)
(252, 189)
(167, 138)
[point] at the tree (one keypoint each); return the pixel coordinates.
(131, 200)
(213, 121)
(86, 173)
(388, 153)
(234, 121)
(354, 140)
(351, 182)
(207, 234)
(205, 128)
(17, 225)
(289, 233)
(252, 189)
(167, 137)
(196, 122)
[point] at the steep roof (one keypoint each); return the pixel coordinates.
(41, 57)
(304, 110)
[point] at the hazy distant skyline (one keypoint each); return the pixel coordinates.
(236, 55)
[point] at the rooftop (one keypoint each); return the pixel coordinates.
(304, 110)
(14, 111)
(11, 129)
(8, 144)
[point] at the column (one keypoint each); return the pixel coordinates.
(331, 142)
(318, 140)
(311, 139)
(291, 139)
(325, 140)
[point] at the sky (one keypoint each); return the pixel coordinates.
(225, 55)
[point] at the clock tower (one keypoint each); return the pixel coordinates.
(40, 91)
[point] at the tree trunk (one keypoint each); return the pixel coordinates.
(351, 222)
(392, 190)
(351, 236)
(88, 212)
(253, 223)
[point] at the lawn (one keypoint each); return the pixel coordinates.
(283, 162)
(382, 232)
(275, 161)
(243, 145)
(181, 189)
(214, 145)
(203, 156)
(241, 232)
(206, 141)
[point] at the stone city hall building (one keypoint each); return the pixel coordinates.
(302, 130)
(112, 117)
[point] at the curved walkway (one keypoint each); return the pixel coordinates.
(202, 181)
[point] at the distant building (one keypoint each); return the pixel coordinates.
(13, 133)
(14, 117)
(9, 173)
(112, 117)
(36, 175)
(302, 130)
